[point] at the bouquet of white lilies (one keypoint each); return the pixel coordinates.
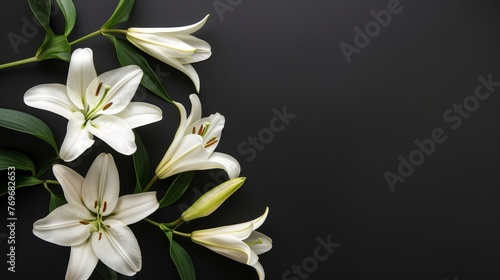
(91, 217)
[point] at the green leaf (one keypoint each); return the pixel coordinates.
(69, 11)
(54, 47)
(177, 189)
(27, 181)
(41, 10)
(47, 166)
(9, 158)
(141, 164)
(121, 13)
(56, 200)
(26, 123)
(181, 259)
(21, 181)
(128, 55)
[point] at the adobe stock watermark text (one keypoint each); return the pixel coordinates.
(454, 117)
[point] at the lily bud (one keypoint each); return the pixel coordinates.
(211, 200)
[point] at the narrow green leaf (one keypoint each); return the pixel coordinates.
(181, 259)
(54, 47)
(26, 123)
(47, 166)
(121, 13)
(27, 181)
(41, 9)
(18, 160)
(128, 55)
(177, 189)
(69, 11)
(21, 181)
(141, 164)
(56, 200)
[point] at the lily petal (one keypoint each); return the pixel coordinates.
(188, 29)
(196, 111)
(185, 121)
(192, 74)
(135, 207)
(50, 97)
(139, 113)
(122, 83)
(259, 242)
(115, 132)
(222, 161)
(81, 74)
(71, 183)
(101, 186)
(77, 139)
(188, 156)
(203, 49)
(118, 248)
(82, 261)
(226, 245)
(260, 220)
(166, 44)
(240, 231)
(260, 270)
(62, 226)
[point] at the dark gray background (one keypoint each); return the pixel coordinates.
(323, 175)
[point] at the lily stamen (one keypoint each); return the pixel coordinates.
(100, 235)
(98, 89)
(105, 206)
(84, 222)
(207, 124)
(211, 142)
(256, 242)
(200, 131)
(107, 106)
(95, 204)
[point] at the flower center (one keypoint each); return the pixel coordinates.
(255, 242)
(202, 131)
(97, 224)
(92, 113)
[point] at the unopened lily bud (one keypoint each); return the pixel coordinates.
(211, 200)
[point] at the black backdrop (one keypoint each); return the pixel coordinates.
(367, 97)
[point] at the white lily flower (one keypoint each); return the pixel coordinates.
(173, 46)
(194, 143)
(239, 242)
(95, 106)
(94, 221)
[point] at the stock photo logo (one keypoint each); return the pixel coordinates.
(310, 264)
(29, 29)
(454, 117)
(363, 36)
(254, 144)
(223, 6)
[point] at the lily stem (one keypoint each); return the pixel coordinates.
(47, 187)
(95, 33)
(150, 184)
(175, 223)
(88, 36)
(163, 227)
(52, 182)
(19, 62)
